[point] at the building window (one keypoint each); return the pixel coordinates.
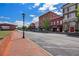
(71, 15)
(78, 4)
(72, 8)
(51, 23)
(54, 23)
(65, 10)
(65, 16)
(72, 24)
(57, 22)
(5, 27)
(60, 22)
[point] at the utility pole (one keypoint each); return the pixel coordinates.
(23, 25)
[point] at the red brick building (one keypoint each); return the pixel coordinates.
(5, 26)
(54, 21)
(57, 24)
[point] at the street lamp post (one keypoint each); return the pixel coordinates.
(23, 25)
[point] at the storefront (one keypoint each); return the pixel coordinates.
(72, 26)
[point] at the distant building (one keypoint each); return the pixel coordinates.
(32, 26)
(5, 26)
(36, 24)
(54, 21)
(70, 18)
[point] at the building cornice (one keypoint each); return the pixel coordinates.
(67, 4)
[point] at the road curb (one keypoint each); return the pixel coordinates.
(48, 54)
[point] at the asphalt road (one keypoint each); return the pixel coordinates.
(56, 44)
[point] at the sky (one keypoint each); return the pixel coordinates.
(12, 12)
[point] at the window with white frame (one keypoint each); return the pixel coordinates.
(65, 16)
(57, 22)
(72, 24)
(72, 8)
(61, 22)
(72, 15)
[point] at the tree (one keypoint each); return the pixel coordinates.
(21, 28)
(78, 13)
(29, 27)
(46, 24)
(25, 27)
(78, 18)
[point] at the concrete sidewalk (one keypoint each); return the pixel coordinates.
(23, 47)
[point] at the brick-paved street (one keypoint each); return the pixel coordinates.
(56, 44)
(23, 47)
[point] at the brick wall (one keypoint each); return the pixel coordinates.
(50, 16)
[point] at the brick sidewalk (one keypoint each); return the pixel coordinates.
(23, 47)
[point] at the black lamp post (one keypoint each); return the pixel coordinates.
(23, 25)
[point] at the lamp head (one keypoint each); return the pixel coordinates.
(23, 14)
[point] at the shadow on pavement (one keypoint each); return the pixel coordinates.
(73, 35)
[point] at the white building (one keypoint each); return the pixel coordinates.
(70, 19)
(37, 24)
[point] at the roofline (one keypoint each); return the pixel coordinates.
(8, 24)
(52, 12)
(45, 13)
(65, 5)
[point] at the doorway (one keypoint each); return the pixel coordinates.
(54, 29)
(71, 29)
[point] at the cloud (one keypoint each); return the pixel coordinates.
(49, 6)
(36, 5)
(4, 17)
(4, 22)
(32, 15)
(52, 8)
(35, 19)
(7, 22)
(59, 13)
(44, 7)
(23, 3)
(20, 23)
